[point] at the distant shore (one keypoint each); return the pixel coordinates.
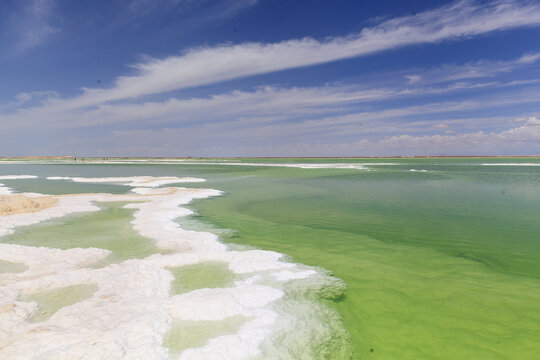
(263, 157)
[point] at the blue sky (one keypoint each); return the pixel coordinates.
(269, 78)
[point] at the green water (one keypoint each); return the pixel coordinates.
(11, 267)
(440, 264)
(109, 228)
(185, 334)
(209, 274)
(50, 301)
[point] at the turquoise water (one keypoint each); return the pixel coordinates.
(441, 264)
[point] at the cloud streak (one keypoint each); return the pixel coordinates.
(270, 110)
(211, 10)
(316, 115)
(472, 70)
(34, 25)
(207, 65)
(307, 106)
(201, 142)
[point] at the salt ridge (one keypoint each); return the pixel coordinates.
(132, 309)
(134, 181)
(16, 177)
(511, 164)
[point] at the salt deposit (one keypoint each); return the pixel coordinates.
(135, 181)
(133, 308)
(17, 177)
(511, 164)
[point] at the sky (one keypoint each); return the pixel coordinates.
(269, 77)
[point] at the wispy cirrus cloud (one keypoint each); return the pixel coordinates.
(306, 109)
(270, 121)
(262, 102)
(471, 70)
(201, 141)
(314, 114)
(201, 11)
(206, 65)
(32, 25)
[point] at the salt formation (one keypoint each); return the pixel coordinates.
(135, 181)
(132, 309)
(4, 190)
(511, 164)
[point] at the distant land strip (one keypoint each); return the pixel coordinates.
(263, 157)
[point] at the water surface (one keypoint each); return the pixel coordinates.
(439, 264)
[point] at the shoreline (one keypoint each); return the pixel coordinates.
(265, 157)
(141, 289)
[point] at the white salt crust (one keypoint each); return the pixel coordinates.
(135, 181)
(357, 166)
(4, 190)
(297, 165)
(512, 164)
(16, 177)
(132, 309)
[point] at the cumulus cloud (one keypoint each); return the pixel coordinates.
(479, 142)
(533, 121)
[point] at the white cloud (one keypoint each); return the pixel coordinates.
(305, 109)
(208, 65)
(314, 114)
(529, 58)
(530, 120)
(265, 113)
(413, 78)
(24, 98)
(519, 140)
(533, 121)
(201, 142)
(263, 130)
(468, 142)
(263, 103)
(473, 70)
(35, 25)
(209, 9)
